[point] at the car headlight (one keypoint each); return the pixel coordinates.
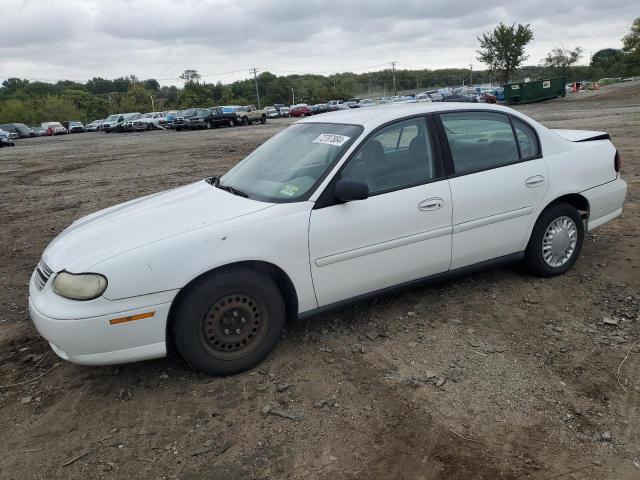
(81, 286)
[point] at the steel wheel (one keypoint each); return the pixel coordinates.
(559, 241)
(233, 326)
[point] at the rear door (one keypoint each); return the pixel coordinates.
(498, 179)
(402, 232)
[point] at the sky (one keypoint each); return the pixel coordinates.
(223, 39)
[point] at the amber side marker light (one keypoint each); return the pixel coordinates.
(132, 318)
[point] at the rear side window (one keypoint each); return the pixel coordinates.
(479, 140)
(527, 139)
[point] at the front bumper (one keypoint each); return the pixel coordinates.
(81, 332)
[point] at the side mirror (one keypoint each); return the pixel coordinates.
(347, 190)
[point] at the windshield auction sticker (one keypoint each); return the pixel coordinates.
(331, 139)
(289, 190)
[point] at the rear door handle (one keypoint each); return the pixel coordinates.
(535, 181)
(431, 204)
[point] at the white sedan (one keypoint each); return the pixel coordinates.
(328, 211)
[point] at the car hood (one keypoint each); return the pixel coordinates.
(146, 220)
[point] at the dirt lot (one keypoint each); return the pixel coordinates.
(495, 375)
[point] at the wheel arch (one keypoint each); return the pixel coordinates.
(279, 276)
(577, 200)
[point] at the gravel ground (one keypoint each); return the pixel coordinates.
(496, 375)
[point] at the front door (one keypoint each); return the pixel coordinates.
(402, 232)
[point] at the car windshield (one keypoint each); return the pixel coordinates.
(111, 118)
(188, 113)
(290, 164)
(229, 109)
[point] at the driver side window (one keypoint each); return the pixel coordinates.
(397, 156)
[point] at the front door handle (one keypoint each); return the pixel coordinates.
(431, 204)
(535, 181)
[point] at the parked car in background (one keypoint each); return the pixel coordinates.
(220, 118)
(5, 139)
(271, 112)
(115, 122)
(327, 211)
(170, 117)
(250, 114)
(74, 126)
(366, 102)
(335, 104)
(183, 120)
(38, 131)
(300, 111)
(422, 98)
(19, 129)
(54, 128)
(128, 123)
(283, 111)
(457, 97)
(94, 126)
(320, 108)
(149, 121)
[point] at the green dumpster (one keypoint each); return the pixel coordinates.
(534, 91)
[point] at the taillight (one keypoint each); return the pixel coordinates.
(617, 161)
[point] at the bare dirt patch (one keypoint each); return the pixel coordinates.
(494, 375)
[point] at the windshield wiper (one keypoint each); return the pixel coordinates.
(230, 189)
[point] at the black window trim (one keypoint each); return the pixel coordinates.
(326, 199)
(446, 150)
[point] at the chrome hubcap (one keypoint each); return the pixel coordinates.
(559, 242)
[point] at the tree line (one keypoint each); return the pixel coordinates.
(503, 50)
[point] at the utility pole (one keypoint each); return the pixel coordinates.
(393, 67)
(293, 96)
(417, 86)
(153, 107)
(470, 72)
(369, 84)
(255, 77)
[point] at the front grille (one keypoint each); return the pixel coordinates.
(43, 272)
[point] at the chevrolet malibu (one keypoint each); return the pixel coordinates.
(322, 214)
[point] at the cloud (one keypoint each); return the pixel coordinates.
(160, 38)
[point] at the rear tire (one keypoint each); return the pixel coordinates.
(556, 241)
(228, 321)
(245, 121)
(263, 119)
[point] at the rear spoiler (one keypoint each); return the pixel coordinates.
(582, 135)
(602, 136)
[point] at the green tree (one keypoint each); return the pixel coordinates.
(503, 48)
(562, 58)
(151, 84)
(631, 41)
(606, 57)
(137, 99)
(631, 47)
(56, 108)
(190, 76)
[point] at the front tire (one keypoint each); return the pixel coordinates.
(556, 241)
(229, 321)
(245, 121)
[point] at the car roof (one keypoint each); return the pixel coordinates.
(378, 115)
